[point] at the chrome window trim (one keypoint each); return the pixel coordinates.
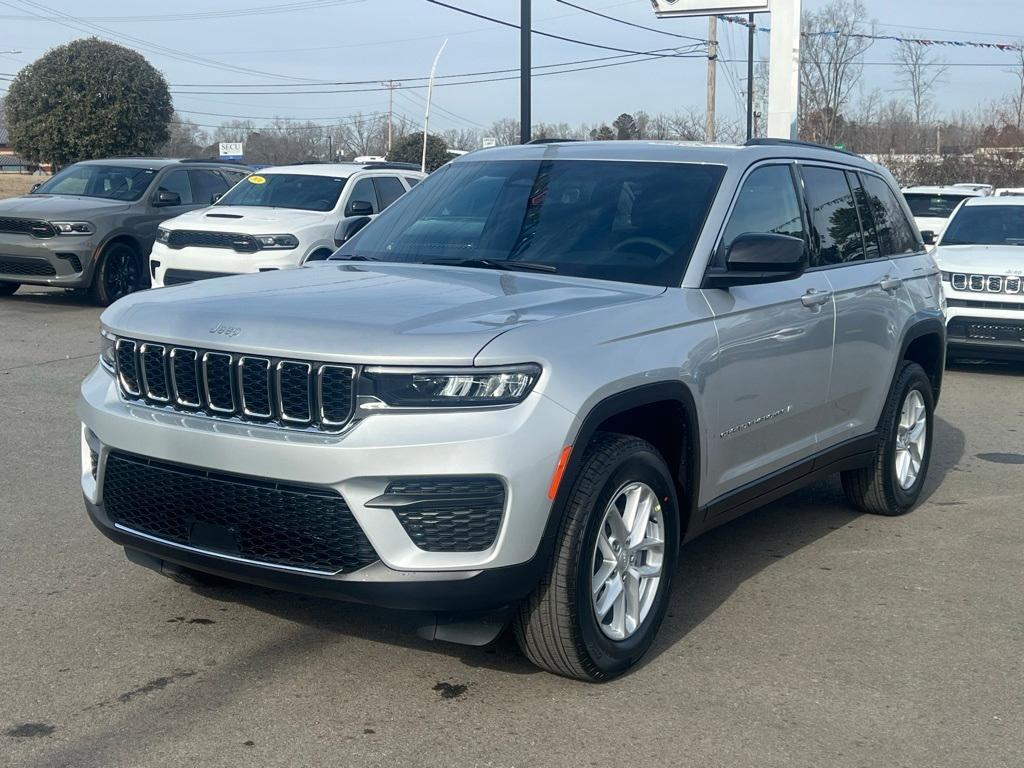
(320, 393)
(144, 379)
(206, 382)
(174, 380)
(241, 387)
(309, 395)
(137, 392)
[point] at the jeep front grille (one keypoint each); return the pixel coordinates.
(986, 283)
(296, 394)
(186, 238)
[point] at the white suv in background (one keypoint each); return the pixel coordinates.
(932, 206)
(277, 218)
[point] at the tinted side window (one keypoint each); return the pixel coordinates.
(233, 177)
(206, 184)
(363, 192)
(895, 235)
(412, 181)
(389, 189)
(837, 235)
(767, 203)
(867, 221)
(177, 181)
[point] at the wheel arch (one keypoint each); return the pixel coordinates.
(924, 343)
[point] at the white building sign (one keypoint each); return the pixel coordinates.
(669, 8)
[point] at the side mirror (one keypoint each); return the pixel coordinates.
(165, 199)
(217, 196)
(35, 186)
(928, 237)
(762, 257)
(359, 208)
(347, 228)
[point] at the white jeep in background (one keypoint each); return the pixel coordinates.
(276, 219)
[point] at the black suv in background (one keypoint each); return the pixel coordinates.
(93, 224)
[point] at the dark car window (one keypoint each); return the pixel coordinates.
(206, 185)
(896, 235)
(836, 226)
(867, 220)
(986, 225)
(302, 191)
(177, 181)
(110, 182)
(412, 181)
(767, 203)
(389, 189)
(629, 221)
(925, 204)
(233, 177)
(362, 192)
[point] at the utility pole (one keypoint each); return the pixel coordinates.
(390, 85)
(709, 124)
(524, 70)
(750, 76)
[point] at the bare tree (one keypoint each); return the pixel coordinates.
(1014, 110)
(920, 70)
(831, 65)
(506, 131)
(187, 139)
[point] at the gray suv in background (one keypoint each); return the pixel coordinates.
(93, 224)
(515, 394)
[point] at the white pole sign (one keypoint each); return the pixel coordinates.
(668, 8)
(231, 150)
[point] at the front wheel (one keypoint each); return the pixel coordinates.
(892, 483)
(118, 273)
(598, 609)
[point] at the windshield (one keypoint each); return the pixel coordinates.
(933, 206)
(986, 225)
(286, 190)
(633, 222)
(111, 182)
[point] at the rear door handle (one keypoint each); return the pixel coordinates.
(890, 284)
(814, 298)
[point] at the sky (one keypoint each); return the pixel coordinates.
(204, 52)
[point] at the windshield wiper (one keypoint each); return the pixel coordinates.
(351, 257)
(508, 266)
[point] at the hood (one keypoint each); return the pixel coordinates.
(381, 313)
(981, 259)
(247, 219)
(57, 207)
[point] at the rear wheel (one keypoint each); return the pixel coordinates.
(8, 289)
(118, 273)
(598, 609)
(892, 484)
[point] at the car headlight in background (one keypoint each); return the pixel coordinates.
(451, 387)
(73, 227)
(163, 235)
(107, 342)
(277, 242)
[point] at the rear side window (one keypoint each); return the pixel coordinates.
(767, 203)
(177, 182)
(867, 221)
(837, 235)
(206, 185)
(412, 181)
(233, 177)
(895, 234)
(363, 192)
(389, 189)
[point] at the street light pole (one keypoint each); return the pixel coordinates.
(426, 115)
(525, 25)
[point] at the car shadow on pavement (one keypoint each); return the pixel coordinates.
(711, 569)
(989, 367)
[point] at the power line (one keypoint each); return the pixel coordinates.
(203, 15)
(629, 23)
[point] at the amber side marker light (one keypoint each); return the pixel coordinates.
(556, 479)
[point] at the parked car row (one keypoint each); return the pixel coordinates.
(93, 226)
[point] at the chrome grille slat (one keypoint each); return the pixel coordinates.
(985, 283)
(268, 391)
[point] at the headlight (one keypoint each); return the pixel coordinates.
(277, 242)
(452, 387)
(73, 227)
(107, 341)
(163, 235)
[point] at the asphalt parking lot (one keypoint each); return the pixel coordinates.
(801, 635)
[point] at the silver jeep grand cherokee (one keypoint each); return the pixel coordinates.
(521, 389)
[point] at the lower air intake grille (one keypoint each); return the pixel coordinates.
(447, 514)
(29, 267)
(245, 517)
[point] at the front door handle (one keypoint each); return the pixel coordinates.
(815, 298)
(890, 284)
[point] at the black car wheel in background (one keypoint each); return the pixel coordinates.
(118, 273)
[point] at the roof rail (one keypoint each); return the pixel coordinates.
(392, 165)
(794, 143)
(553, 140)
(217, 160)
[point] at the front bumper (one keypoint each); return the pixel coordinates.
(518, 445)
(59, 261)
(173, 266)
(984, 324)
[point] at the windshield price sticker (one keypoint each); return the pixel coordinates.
(257, 180)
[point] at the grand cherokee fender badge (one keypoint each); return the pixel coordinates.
(754, 422)
(226, 330)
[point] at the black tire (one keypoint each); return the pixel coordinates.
(8, 289)
(876, 488)
(120, 271)
(556, 626)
